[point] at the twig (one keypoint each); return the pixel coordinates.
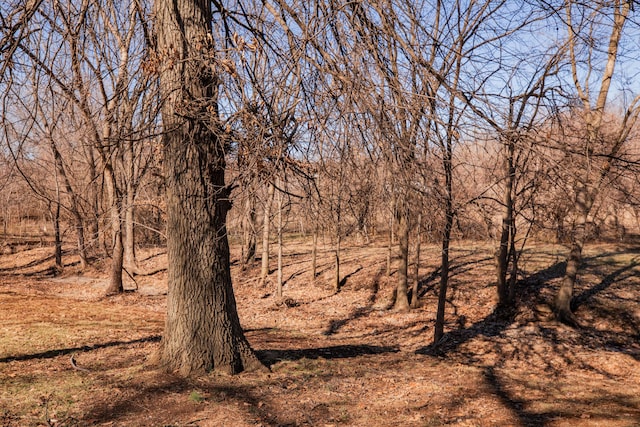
(75, 365)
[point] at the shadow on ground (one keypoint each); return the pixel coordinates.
(270, 357)
(49, 354)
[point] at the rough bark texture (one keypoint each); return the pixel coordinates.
(202, 331)
(402, 299)
(117, 255)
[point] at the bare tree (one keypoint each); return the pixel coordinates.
(586, 26)
(110, 91)
(202, 330)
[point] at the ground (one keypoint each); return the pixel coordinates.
(69, 356)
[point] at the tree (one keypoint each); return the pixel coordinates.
(108, 95)
(202, 329)
(586, 26)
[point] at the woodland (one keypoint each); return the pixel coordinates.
(285, 212)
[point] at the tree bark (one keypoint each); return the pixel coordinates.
(416, 266)
(117, 254)
(507, 231)
(402, 299)
(314, 251)
(279, 285)
(562, 303)
(202, 331)
(390, 247)
(446, 240)
(336, 277)
(249, 232)
(266, 225)
(444, 277)
(129, 242)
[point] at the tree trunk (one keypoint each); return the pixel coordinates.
(249, 232)
(336, 277)
(117, 254)
(513, 279)
(56, 230)
(416, 266)
(74, 208)
(446, 239)
(507, 231)
(314, 251)
(402, 299)
(202, 329)
(279, 285)
(266, 225)
(562, 303)
(82, 247)
(389, 249)
(444, 280)
(94, 226)
(130, 262)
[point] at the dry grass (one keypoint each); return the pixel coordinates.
(336, 358)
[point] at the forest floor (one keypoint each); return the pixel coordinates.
(336, 358)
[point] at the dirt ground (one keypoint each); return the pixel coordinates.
(69, 356)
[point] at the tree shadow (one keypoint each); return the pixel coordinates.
(358, 312)
(607, 282)
(144, 396)
(343, 281)
(31, 264)
(496, 322)
(546, 338)
(49, 354)
(517, 406)
(430, 282)
(270, 357)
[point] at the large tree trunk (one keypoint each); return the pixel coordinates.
(202, 329)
